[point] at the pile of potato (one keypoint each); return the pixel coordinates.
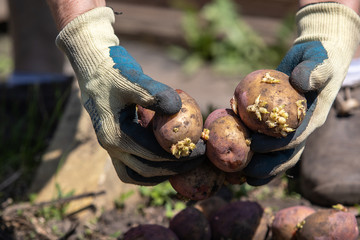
(216, 219)
(210, 219)
(264, 101)
(305, 223)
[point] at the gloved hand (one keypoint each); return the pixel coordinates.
(111, 84)
(317, 64)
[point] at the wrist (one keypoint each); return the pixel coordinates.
(87, 38)
(64, 11)
(328, 22)
(353, 4)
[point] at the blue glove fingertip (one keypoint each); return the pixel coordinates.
(167, 100)
(300, 61)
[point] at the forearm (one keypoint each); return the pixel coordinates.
(353, 4)
(64, 11)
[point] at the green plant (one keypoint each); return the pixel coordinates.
(163, 195)
(218, 35)
(55, 211)
(6, 65)
(120, 201)
(116, 234)
(25, 132)
(242, 190)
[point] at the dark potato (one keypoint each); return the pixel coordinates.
(199, 183)
(287, 220)
(228, 145)
(237, 220)
(190, 223)
(210, 205)
(150, 232)
(267, 103)
(179, 133)
(329, 224)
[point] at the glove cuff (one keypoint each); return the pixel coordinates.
(86, 40)
(323, 21)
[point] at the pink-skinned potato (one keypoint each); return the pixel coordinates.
(329, 224)
(287, 220)
(190, 223)
(199, 183)
(149, 232)
(145, 116)
(179, 133)
(228, 143)
(267, 103)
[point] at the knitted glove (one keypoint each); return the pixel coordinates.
(111, 84)
(328, 36)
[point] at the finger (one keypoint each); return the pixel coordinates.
(127, 175)
(255, 182)
(146, 138)
(148, 168)
(164, 99)
(273, 163)
(300, 64)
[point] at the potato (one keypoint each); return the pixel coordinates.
(228, 145)
(179, 133)
(210, 205)
(199, 183)
(262, 230)
(150, 232)
(190, 223)
(237, 220)
(267, 103)
(285, 223)
(145, 116)
(329, 224)
(235, 178)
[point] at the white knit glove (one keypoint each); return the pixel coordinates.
(328, 36)
(111, 84)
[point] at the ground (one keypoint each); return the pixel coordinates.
(114, 222)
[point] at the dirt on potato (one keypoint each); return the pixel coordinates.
(179, 133)
(267, 103)
(329, 224)
(287, 220)
(199, 183)
(228, 145)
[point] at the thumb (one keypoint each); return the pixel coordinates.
(307, 65)
(164, 99)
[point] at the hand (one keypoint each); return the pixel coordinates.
(111, 84)
(317, 65)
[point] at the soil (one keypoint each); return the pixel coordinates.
(22, 221)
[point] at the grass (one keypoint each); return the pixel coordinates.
(25, 133)
(163, 195)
